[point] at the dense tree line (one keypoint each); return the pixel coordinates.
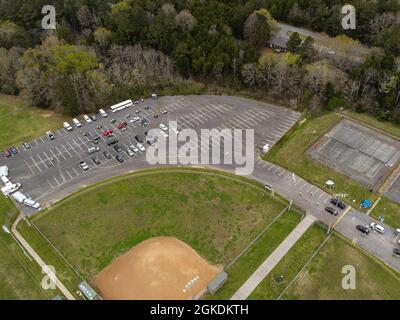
(105, 50)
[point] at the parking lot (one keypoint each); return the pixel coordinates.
(362, 154)
(50, 169)
(394, 190)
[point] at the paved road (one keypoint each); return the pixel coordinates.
(39, 260)
(359, 53)
(313, 200)
(269, 264)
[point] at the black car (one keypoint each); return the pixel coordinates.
(119, 158)
(107, 155)
(331, 211)
(96, 161)
(113, 121)
(118, 148)
(139, 139)
(146, 108)
(155, 116)
(363, 229)
(338, 203)
(111, 140)
(396, 251)
(26, 145)
(13, 150)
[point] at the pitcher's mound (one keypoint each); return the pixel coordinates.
(158, 268)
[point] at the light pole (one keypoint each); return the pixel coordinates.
(294, 180)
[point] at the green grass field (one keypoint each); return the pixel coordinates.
(240, 271)
(291, 264)
(216, 215)
(20, 122)
(322, 278)
(290, 153)
(19, 277)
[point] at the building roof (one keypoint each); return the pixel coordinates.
(87, 290)
(217, 282)
(279, 41)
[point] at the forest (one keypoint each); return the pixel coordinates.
(103, 51)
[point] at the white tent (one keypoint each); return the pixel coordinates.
(3, 171)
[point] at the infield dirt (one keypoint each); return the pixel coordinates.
(157, 268)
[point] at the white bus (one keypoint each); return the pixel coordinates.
(121, 105)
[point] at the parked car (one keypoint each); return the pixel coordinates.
(118, 148)
(164, 111)
(155, 116)
(84, 166)
(163, 127)
(107, 155)
(111, 140)
(26, 145)
(331, 211)
(107, 133)
(7, 153)
(93, 149)
(139, 139)
(13, 150)
(67, 126)
(363, 229)
(134, 148)
(119, 158)
(140, 147)
(376, 227)
(130, 152)
(396, 251)
(146, 108)
(93, 117)
(268, 187)
(122, 126)
(50, 135)
(87, 119)
(338, 203)
(96, 161)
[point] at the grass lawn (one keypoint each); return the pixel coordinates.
(323, 277)
(291, 264)
(19, 277)
(252, 259)
(216, 215)
(389, 210)
(289, 153)
(20, 122)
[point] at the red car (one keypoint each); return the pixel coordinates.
(122, 125)
(107, 133)
(7, 153)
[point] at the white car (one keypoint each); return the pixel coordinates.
(31, 203)
(268, 187)
(140, 147)
(164, 134)
(134, 149)
(87, 119)
(163, 127)
(84, 166)
(174, 131)
(376, 227)
(67, 126)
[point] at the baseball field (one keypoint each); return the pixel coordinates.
(111, 230)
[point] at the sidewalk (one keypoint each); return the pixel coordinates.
(269, 264)
(39, 260)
